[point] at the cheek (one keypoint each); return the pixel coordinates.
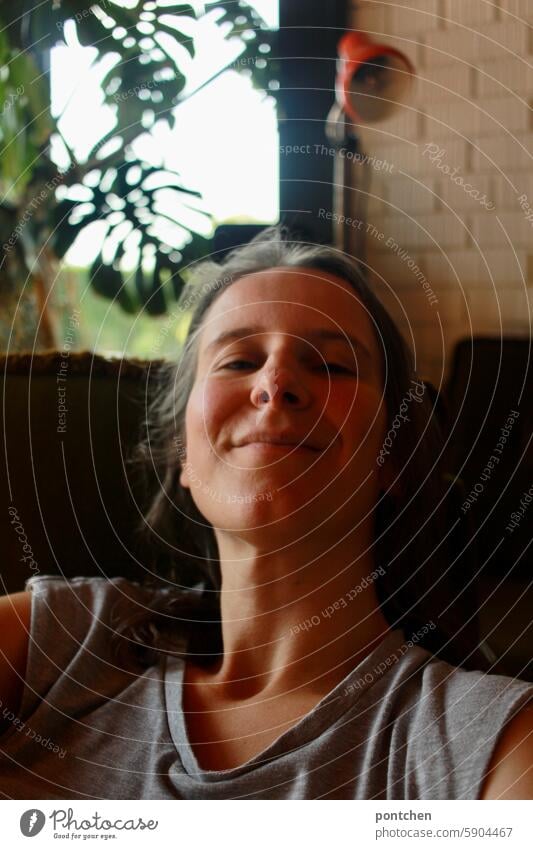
(201, 407)
(207, 409)
(201, 416)
(365, 422)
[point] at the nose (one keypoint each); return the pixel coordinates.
(278, 387)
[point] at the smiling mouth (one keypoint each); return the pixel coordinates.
(277, 447)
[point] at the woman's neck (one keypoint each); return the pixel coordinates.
(294, 619)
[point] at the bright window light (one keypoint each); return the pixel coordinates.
(224, 144)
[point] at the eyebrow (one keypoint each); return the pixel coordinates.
(313, 333)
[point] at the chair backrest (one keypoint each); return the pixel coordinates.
(490, 400)
(490, 448)
(69, 503)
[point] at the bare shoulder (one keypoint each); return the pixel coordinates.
(15, 617)
(510, 772)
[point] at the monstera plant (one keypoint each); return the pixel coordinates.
(25, 130)
(144, 49)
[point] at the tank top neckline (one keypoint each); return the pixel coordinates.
(307, 728)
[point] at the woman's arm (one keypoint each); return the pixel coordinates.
(510, 772)
(15, 613)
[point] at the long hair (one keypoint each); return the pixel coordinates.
(420, 588)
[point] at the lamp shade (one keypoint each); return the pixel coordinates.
(372, 79)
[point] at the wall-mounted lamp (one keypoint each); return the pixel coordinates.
(372, 81)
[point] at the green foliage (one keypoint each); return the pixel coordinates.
(25, 123)
(146, 208)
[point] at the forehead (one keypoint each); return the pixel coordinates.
(288, 299)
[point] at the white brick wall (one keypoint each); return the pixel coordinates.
(405, 124)
(470, 13)
(509, 191)
(421, 16)
(445, 82)
(504, 76)
(459, 160)
(499, 40)
(486, 117)
(501, 153)
(386, 268)
(503, 230)
(505, 39)
(470, 269)
(444, 47)
(519, 8)
(457, 199)
(408, 156)
(372, 18)
(414, 232)
(406, 193)
(508, 308)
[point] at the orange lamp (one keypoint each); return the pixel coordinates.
(372, 79)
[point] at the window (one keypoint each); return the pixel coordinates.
(224, 144)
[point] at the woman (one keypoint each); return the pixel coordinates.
(303, 636)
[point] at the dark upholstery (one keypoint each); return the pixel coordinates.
(489, 379)
(71, 490)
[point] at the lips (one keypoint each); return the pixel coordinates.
(287, 439)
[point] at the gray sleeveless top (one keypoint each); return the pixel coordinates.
(401, 725)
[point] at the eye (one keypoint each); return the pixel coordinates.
(235, 363)
(335, 368)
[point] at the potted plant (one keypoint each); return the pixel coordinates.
(142, 51)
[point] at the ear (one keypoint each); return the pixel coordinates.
(184, 476)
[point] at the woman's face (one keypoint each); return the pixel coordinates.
(287, 333)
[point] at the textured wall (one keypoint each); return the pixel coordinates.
(456, 181)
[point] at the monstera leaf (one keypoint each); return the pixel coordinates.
(142, 207)
(153, 44)
(153, 221)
